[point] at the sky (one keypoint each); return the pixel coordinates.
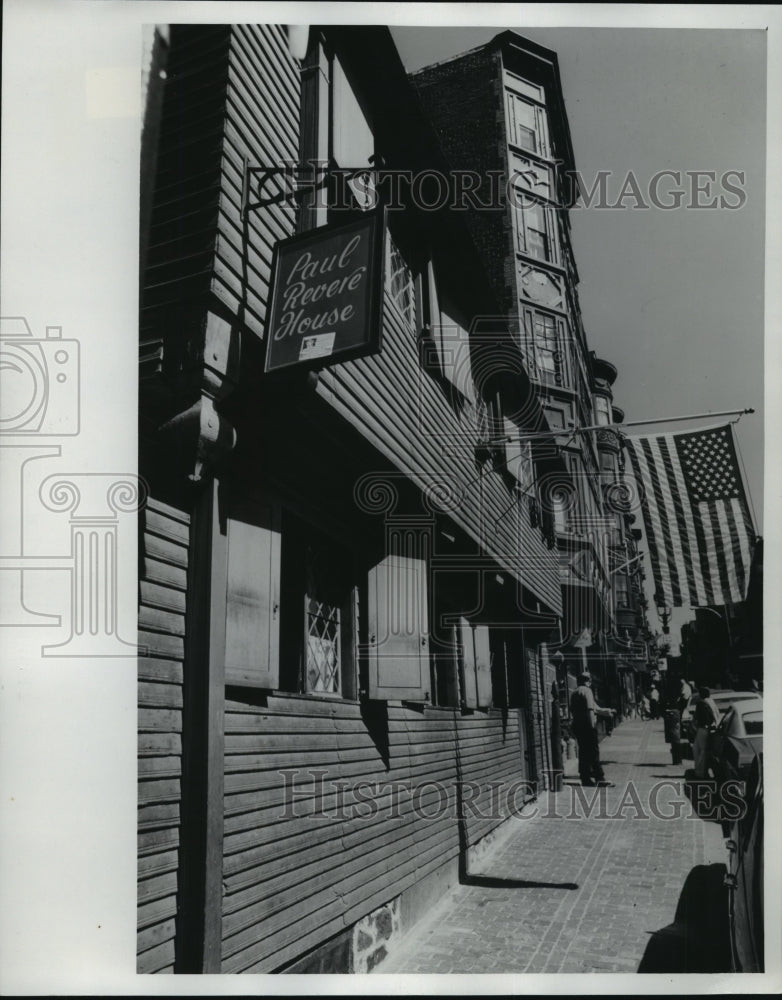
(673, 298)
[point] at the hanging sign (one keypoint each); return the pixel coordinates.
(326, 295)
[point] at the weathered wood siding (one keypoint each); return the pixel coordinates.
(261, 124)
(162, 595)
(404, 413)
(231, 94)
(293, 879)
(181, 250)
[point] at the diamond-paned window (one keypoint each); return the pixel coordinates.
(400, 283)
(323, 652)
(324, 597)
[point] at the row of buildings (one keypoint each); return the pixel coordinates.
(379, 543)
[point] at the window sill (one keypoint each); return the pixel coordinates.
(315, 696)
(532, 154)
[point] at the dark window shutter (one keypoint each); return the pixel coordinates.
(397, 629)
(252, 612)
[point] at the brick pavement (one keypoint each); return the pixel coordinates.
(589, 890)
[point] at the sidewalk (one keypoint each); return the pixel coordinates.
(583, 894)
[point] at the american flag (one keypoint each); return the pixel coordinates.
(698, 527)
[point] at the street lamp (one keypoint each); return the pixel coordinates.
(664, 611)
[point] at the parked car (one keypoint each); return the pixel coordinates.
(744, 879)
(722, 699)
(736, 741)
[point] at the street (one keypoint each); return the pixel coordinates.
(588, 893)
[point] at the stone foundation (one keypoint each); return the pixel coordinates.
(374, 934)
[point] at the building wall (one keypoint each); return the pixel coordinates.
(162, 583)
(231, 94)
(404, 413)
(292, 883)
(475, 133)
(463, 99)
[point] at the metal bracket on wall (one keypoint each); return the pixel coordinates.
(299, 179)
(256, 179)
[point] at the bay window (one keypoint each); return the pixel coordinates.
(535, 228)
(602, 409)
(532, 175)
(545, 337)
(621, 591)
(527, 126)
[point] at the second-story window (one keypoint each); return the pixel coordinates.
(602, 409)
(547, 349)
(622, 591)
(535, 228)
(400, 284)
(527, 125)
(608, 469)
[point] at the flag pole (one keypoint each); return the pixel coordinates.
(668, 420)
(558, 431)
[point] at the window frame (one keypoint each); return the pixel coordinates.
(601, 398)
(409, 315)
(539, 130)
(533, 349)
(298, 532)
(526, 211)
(622, 592)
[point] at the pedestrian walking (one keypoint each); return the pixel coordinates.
(584, 712)
(654, 700)
(685, 693)
(705, 716)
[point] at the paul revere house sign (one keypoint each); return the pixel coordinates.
(326, 298)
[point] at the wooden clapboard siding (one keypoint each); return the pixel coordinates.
(297, 871)
(401, 410)
(182, 239)
(261, 126)
(162, 600)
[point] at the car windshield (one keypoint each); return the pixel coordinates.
(753, 723)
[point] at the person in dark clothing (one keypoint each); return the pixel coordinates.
(584, 712)
(705, 716)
